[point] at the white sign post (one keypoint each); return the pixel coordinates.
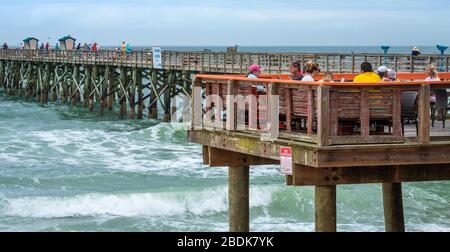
(286, 160)
(157, 58)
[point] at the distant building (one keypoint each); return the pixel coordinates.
(31, 43)
(67, 43)
(232, 49)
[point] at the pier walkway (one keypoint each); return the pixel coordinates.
(322, 134)
(236, 62)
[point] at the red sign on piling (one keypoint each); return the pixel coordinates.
(286, 160)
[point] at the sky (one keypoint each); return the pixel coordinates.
(229, 22)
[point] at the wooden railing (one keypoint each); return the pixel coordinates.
(325, 114)
(237, 63)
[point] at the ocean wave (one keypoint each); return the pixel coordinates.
(205, 202)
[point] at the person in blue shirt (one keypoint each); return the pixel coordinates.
(254, 73)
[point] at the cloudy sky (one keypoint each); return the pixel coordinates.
(229, 22)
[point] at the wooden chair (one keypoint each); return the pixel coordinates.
(410, 110)
(441, 105)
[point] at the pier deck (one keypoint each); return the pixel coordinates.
(236, 62)
(338, 133)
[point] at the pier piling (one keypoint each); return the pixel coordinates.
(238, 193)
(393, 207)
(325, 197)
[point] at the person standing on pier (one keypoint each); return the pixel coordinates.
(42, 48)
(296, 71)
(415, 51)
(79, 46)
(124, 49)
(367, 75)
(95, 47)
(5, 46)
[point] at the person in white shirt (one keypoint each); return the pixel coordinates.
(432, 73)
(312, 69)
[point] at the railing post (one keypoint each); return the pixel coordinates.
(231, 106)
(273, 112)
(323, 117)
(424, 114)
(197, 110)
(365, 113)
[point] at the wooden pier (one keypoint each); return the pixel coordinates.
(338, 133)
(101, 79)
(311, 120)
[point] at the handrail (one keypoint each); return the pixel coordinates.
(293, 82)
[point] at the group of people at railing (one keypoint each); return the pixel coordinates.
(310, 71)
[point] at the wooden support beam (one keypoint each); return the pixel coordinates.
(122, 92)
(76, 77)
(308, 176)
(153, 108)
(64, 84)
(325, 208)
(140, 94)
(218, 158)
(132, 93)
(46, 83)
(239, 203)
(111, 87)
(393, 207)
(168, 80)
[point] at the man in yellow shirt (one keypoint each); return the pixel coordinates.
(367, 75)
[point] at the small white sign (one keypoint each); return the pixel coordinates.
(286, 160)
(157, 58)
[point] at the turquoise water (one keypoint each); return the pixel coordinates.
(65, 169)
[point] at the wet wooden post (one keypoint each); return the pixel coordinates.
(2, 72)
(54, 85)
(46, 84)
(132, 93)
(92, 94)
(153, 108)
(76, 76)
(325, 197)
(393, 207)
(111, 88)
(38, 82)
(238, 193)
(31, 82)
(140, 94)
(86, 86)
(122, 93)
(64, 84)
(167, 95)
(104, 90)
(16, 79)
